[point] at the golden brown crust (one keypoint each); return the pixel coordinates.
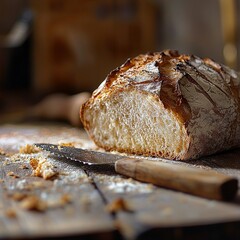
(165, 84)
(199, 92)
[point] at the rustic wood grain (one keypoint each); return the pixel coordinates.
(159, 208)
(153, 207)
(85, 213)
(148, 210)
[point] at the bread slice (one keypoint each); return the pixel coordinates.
(168, 105)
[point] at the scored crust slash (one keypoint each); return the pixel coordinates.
(168, 105)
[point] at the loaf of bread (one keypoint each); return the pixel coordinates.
(167, 105)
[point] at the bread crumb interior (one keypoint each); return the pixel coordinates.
(136, 122)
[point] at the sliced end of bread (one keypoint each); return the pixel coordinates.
(136, 122)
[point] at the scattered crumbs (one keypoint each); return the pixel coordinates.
(23, 166)
(60, 202)
(34, 163)
(12, 174)
(33, 203)
(15, 158)
(1, 180)
(117, 205)
(65, 198)
(5, 163)
(11, 213)
(18, 157)
(28, 149)
(18, 196)
(67, 144)
(37, 184)
(2, 152)
(68, 177)
(42, 168)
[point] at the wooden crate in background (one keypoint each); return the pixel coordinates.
(77, 43)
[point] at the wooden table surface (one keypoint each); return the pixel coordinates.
(78, 200)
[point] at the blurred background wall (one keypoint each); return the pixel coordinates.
(71, 45)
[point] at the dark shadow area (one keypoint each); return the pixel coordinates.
(219, 231)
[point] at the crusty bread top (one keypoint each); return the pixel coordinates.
(198, 98)
(159, 73)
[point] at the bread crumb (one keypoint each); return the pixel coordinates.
(34, 163)
(33, 203)
(37, 184)
(117, 205)
(1, 180)
(29, 202)
(68, 144)
(28, 149)
(42, 168)
(61, 202)
(66, 198)
(18, 196)
(23, 166)
(5, 163)
(2, 152)
(10, 213)
(12, 174)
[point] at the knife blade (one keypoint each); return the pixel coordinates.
(196, 181)
(80, 155)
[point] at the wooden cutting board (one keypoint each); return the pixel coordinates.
(78, 201)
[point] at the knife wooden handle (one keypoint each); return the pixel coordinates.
(204, 183)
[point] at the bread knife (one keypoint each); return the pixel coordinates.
(196, 181)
